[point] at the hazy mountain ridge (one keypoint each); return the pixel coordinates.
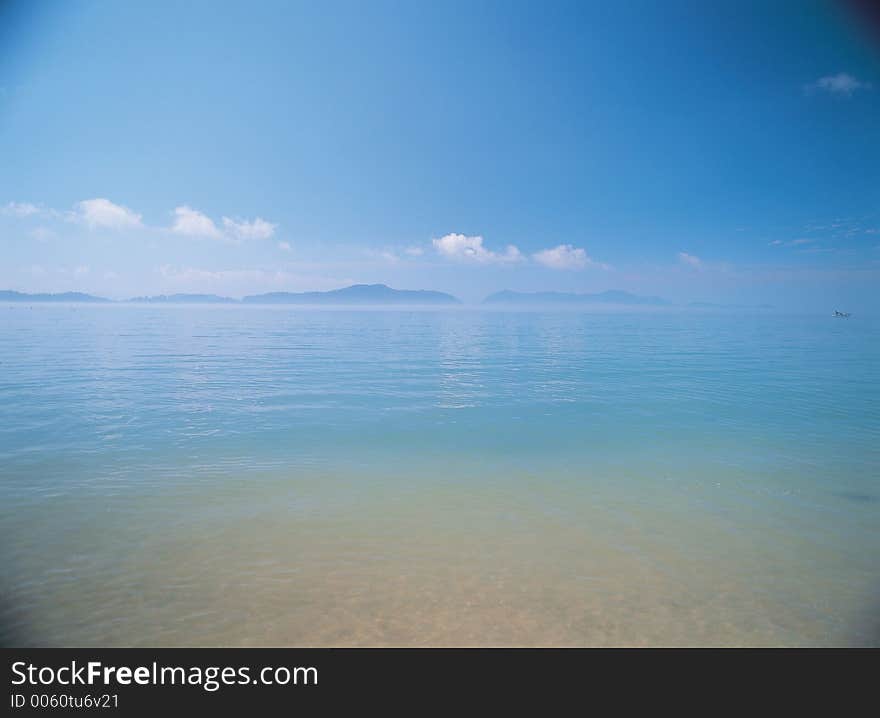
(356, 294)
(376, 295)
(7, 295)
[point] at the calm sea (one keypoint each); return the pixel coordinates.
(274, 476)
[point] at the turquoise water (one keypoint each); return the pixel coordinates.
(273, 476)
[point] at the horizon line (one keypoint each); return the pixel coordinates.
(443, 299)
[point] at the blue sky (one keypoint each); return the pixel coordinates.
(723, 151)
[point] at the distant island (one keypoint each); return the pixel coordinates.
(612, 296)
(375, 294)
(357, 294)
(78, 297)
(379, 295)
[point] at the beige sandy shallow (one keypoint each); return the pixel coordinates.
(446, 566)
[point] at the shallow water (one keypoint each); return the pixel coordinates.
(273, 476)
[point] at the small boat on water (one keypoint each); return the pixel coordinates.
(842, 315)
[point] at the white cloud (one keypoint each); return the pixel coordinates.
(192, 223)
(284, 246)
(19, 209)
(565, 256)
(102, 212)
(840, 84)
(242, 229)
(464, 248)
(414, 251)
(689, 259)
